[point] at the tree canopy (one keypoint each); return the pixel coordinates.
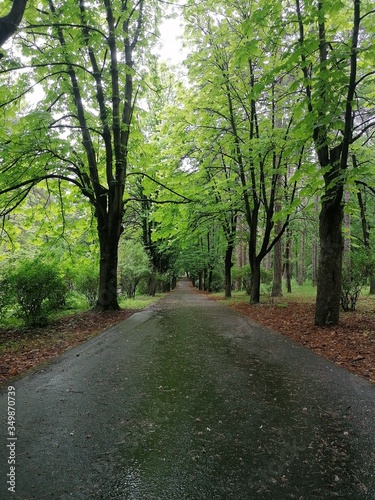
(269, 122)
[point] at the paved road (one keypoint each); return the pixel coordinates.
(190, 400)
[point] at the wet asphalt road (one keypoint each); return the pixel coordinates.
(190, 400)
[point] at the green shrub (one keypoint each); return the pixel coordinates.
(37, 288)
(134, 267)
(241, 278)
(266, 281)
(87, 283)
(5, 296)
(217, 284)
(354, 278)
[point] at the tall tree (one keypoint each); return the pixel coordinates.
(331, 109)
(235, 95)
(91, 73)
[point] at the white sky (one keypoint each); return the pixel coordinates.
(171, 33)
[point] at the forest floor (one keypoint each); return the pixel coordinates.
(350, 345)
(22, 349)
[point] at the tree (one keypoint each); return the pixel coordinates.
(331, 110)
(237, 102)
(80, 132)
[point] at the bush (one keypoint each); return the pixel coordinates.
(217, 284)
(241, 278)
(37, 289)
(87, 283)
(266, 281)
(134, 267)
(5, 296)
(354, 278)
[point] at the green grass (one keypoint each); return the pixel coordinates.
(139, 302)
(10, 320)
(300, 293)
(306, 292)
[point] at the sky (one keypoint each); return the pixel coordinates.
(170, 33)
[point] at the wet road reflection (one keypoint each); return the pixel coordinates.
(192, 401)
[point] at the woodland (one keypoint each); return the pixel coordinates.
(249, 166)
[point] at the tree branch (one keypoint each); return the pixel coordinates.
(10, 22)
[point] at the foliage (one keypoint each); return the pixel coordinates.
(87, 283)
(261, 130)
(242, 277)
(354, 278)
(5, 295)
(133, 266)
(37, 288)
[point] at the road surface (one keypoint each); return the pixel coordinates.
(189, 400)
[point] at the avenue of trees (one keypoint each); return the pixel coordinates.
(252, 163)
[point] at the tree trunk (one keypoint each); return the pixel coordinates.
(210, 279)
(228, 271)
(301, 276)
(365, 230)
(347, 224)
(314, 262)
(278, 265)
(200, 280)
(255, 281)
(151, 285)
(288, 276)
(314, 249)
(330, 263)
(107, 297)
(10, 22)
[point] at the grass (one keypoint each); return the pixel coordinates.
(139, 302)
(300, 293)
(79, 305)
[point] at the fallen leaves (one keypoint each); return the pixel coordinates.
(351, 344)
(22, 349)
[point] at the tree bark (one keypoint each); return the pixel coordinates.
(277, 285)
(200, 280)
(288, 276)
(255, 281)
(228, 271)
(330, 263)
(302, 272)
(107, 297)
(10, 22)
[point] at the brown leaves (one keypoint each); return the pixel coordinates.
(24, 349)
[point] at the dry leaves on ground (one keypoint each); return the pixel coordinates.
(22, 349)
(351, 344)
